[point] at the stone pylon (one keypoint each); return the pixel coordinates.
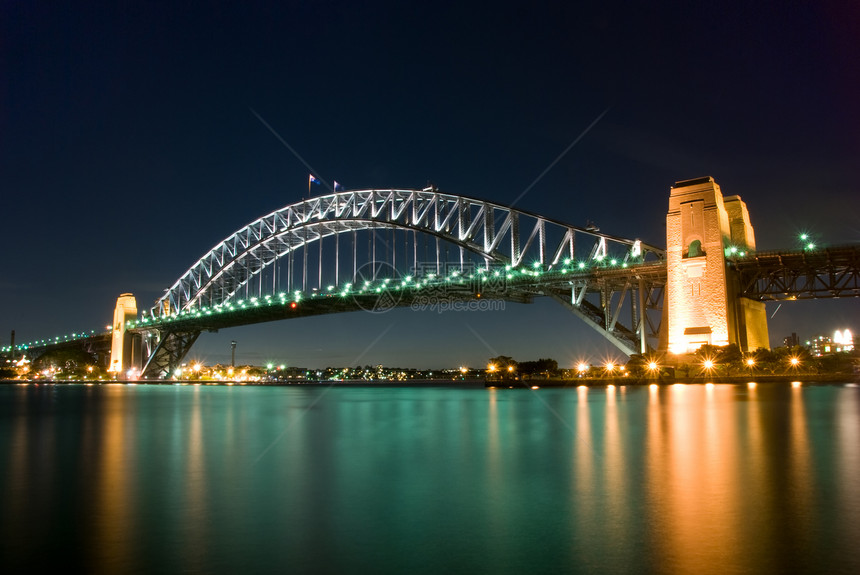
(704, 232)
(121, 345)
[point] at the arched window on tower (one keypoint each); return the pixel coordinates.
(695, 249)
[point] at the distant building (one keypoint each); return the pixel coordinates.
(820, 345)
(791, 341)
(824, 344)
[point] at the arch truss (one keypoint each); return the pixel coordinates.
(338, 239)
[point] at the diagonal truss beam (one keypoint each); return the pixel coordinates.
(168, 352)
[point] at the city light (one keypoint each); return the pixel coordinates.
(843, 340)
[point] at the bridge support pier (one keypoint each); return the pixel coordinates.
(703, 229)
(122, 346)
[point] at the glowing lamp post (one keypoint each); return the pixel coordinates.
(653, 368)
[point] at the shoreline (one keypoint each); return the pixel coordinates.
(808, 379)
(292, 383)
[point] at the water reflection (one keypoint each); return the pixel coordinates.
(660, 479)
(847, 459)
(113, 460)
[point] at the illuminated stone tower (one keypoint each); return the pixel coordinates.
(121, 346)
(702, 229)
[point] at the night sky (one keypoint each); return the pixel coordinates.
(129, 145)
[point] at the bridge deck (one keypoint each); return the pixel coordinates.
(831, 272)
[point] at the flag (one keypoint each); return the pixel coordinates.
(337, 186)
(312, 180)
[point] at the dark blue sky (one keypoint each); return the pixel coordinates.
(128, 147)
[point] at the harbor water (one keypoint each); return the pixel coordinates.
(614, 479)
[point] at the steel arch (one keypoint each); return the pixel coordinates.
(493, 231)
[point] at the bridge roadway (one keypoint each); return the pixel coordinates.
(775, 275)
(96, 344)
(830, 272)
(168, 338)
(520, 286)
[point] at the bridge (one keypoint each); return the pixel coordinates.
(373, 250)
